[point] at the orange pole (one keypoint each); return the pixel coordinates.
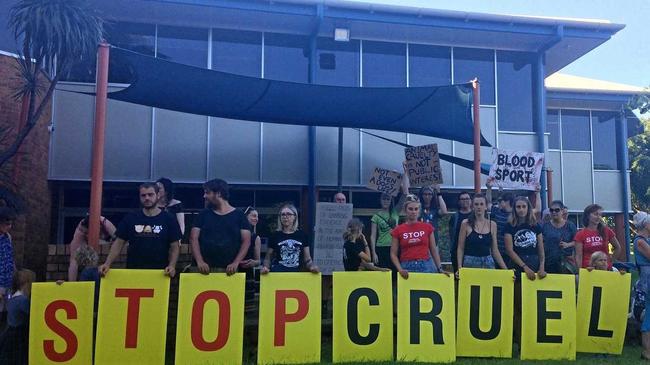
(97, 169)
(549, 185)
(477, 135)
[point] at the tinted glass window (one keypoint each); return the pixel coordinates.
(515, 88)
(238, 52)
(553, 128)
(429, 65)
(285, 58)
(338, 62)
(384, 64)
(605, 141)
(183, 45)
(575, 130)
(470, 63)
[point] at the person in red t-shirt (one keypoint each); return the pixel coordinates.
(596, 236)
(415, 242)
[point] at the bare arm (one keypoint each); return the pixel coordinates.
(373, 242)
(643, 247)
(434, 252)
(617, 247)
(203, 266)
(488, 195)
(460, 250)
(257, 250)
(180, 217)
(109, 227)
(266, 266)
(394, 248)
(311, 266)
(495, 248)
(541, 254)
(243, 249)
(579, 253)
(537, 209)
(442, 206)
(174, 251)
(116, 248)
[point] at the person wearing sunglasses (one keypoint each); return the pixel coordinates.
(558, 235)
(290, 243)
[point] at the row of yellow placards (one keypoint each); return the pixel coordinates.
(132, 317)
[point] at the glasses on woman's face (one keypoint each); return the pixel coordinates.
(555, 210)
(287, 214)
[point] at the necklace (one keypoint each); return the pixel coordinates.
(480, 235)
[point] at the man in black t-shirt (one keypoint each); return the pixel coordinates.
(464, 210)
(221, 234)
(153, 236)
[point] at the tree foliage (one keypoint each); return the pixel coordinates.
(639, 154)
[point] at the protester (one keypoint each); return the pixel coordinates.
(559, 246)
(433, 206)
(340, 198)
(500, 214)
(524, 241)
(381, 224)
(252, 257)
(153, 236)
(464, 211)
(88, 259)
(291, 244)
(356, 255)
(167, 202)
(415, 242)
(642, 256)
(14, 342)
(221, 234)
(7, 262)
(80, 242)
(477, 241)
(595, 236)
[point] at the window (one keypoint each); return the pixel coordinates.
(429, 65)
(515, 88)
(183, 45)
(384, 64)
(285, 58)
(605, 141)
(470, 63)
(553, 128)
(337, 62)
(237, 52)
(575, 130)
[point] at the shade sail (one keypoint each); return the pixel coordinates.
(443, 111)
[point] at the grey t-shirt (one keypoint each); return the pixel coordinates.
(553, 236)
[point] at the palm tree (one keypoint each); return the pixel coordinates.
(55, 35)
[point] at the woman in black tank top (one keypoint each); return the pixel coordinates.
(477, 241)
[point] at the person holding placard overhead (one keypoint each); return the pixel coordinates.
(642, 257)
(477, 240)
(415, 242)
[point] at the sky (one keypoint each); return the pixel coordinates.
(625, 58)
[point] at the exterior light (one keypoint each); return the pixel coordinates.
(341, 34)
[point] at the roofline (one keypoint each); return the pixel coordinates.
(622, 93)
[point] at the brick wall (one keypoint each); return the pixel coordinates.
(31, 232)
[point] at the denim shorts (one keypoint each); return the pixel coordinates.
(478, 262)
(419, 266)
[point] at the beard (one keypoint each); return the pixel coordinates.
(149, 205)
(213, 205)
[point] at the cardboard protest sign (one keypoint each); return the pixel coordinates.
(290, 318)
(331, 221)
(362, 317)
(516, 169)
(548, 317)
(602, 311)
(485, 305)
(61, 323)
(132, 318)
(385, 181)
(423, 165)
(210, 322)
(426, 310)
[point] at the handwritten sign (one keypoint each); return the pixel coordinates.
(516, 169)
(423, 165)
(385, 181)
(331, 221)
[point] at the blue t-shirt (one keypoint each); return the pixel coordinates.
(18, 311)
(638, 256)
(500, 217)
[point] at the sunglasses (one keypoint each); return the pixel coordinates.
(248, 209)
(555, 210)
(412, 198)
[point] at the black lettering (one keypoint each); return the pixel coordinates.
(353, 317)
(594, 318)
(544, 315)
(501, 159)
(474, 313)
(515, 161)
(520, 176)
(528, 173)
(531, 162)
(431, 316)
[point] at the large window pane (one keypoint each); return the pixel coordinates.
(429, 65)
(384, 64)
(237, 51)
(338, 62)
(285, 58)
(553, 128)
(575, 130)
(470, 63)
(605, 141)
(515, 88)
(183, 45)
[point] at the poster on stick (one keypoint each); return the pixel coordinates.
(385, 181)
(515, 169)
(331, 221)
(423, 165)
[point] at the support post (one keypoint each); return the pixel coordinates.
(539, 117)
(339, 176)
(621, 133)
(97, 167)
(311, 182)
(476, 104)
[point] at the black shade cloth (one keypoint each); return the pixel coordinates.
(443, 111)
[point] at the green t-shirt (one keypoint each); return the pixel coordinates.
(385, 223)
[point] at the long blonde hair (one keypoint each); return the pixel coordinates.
(529, 219)
(293, 210)
(354, 230)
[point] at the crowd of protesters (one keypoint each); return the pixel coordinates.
(512, 234)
